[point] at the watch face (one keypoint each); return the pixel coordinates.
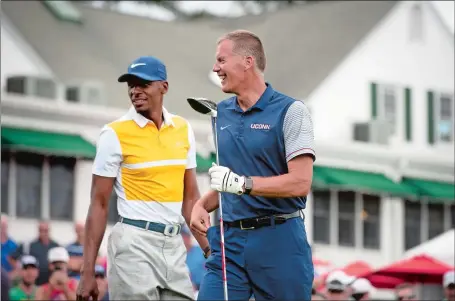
(248, 183)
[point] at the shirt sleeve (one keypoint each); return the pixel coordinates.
(18, 252)
(298, 131)
(108, 154)
(191, 159)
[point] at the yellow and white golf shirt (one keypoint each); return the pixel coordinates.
(148, 164)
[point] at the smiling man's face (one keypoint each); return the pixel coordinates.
(229, 66)
(144, 94)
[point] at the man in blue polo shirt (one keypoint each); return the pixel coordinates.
(265, 144)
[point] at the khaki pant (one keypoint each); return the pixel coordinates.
(146, 265)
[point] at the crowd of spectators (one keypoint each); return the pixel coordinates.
(43, 269)
(340, 286)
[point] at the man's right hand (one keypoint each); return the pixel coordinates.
(200, 220)
(87, 288)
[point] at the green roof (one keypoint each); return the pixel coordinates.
(362, 181)
(434, 191)
(46, 142)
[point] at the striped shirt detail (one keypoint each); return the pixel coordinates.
(298, 131)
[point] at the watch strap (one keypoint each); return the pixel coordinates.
(248, 185)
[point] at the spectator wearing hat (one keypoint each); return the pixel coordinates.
(337, 285)
(26, 289)
(60, 286)
(100, 276)
(449, 286)
(38, 248)
(194, 259)
(406, 292)
(361, 289)
(76, 251)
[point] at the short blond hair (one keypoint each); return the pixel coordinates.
(247, 43)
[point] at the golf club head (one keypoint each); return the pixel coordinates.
(203, 105)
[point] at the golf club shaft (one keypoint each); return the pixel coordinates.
(223, 257)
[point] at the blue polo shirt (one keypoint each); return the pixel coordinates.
(259, 142)
(7, 249)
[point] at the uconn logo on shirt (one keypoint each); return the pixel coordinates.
(260, 126)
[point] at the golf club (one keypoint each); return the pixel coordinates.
(208, 107)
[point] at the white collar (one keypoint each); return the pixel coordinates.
(142, 121)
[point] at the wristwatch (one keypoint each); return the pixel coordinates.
(206, 252)
(248, 186)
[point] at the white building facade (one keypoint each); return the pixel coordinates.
(398, 80)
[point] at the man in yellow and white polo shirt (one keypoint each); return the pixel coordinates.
(149, 157)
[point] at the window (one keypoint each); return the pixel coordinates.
(371, 221)
(412, 223)
(5, 180)
(445, 118)
(112, 216)
(33, 173)
(386, 105)
(390, 110)
(452, 215)
(61, 190)
(346, 218)
(321, 216)
(435, 220)
(28, 193)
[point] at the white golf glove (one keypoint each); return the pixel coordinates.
(223, 179)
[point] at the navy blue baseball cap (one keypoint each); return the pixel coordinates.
(147, 68)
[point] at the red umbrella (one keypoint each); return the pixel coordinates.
(359, 268)
(420, 269)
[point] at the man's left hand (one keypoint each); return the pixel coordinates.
(223, 179)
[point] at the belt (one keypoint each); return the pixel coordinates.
(168, 230)
(259, 222)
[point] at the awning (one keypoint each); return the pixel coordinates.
(204, 163)
(46, 142)
(363, 181)
(434, 191)
(320, 180)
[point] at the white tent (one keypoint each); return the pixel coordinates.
(442, 248)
